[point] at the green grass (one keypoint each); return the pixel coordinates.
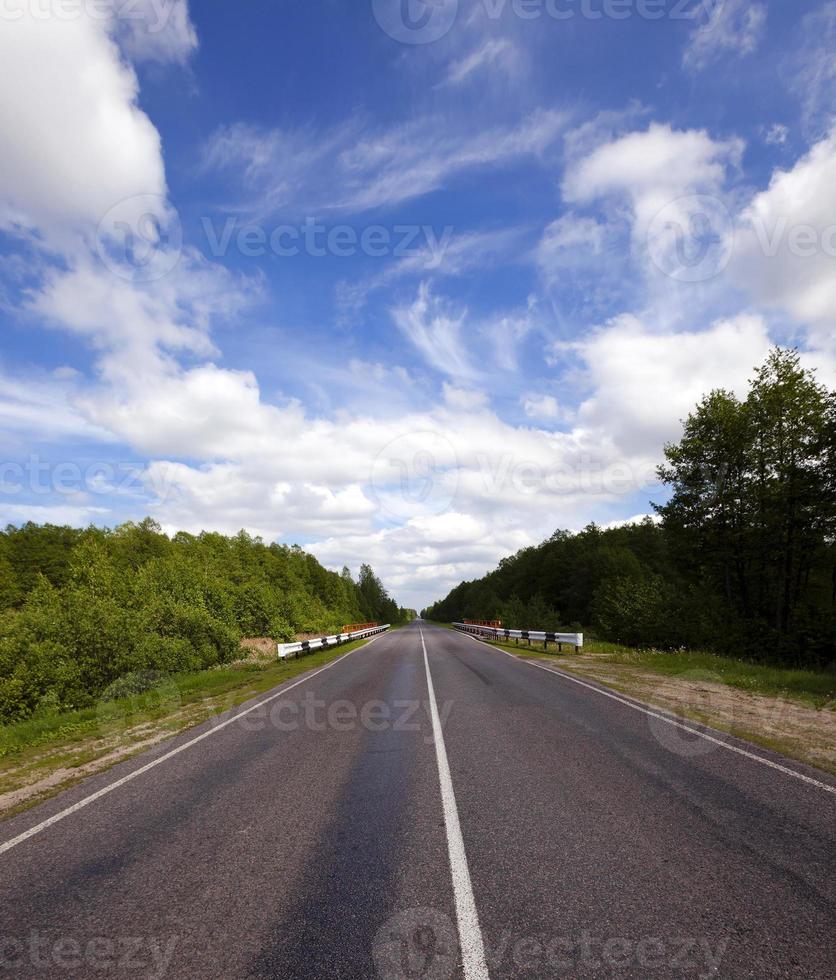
(231, 685)
(817, 688)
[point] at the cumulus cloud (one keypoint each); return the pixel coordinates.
(542, 407)
(73, 140)
(82, 179)
(426, 557)
(652, 168)
(645, 380)
(785, 253)
(666, 190)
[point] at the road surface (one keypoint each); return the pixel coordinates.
(430, 807)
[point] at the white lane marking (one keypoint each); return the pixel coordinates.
(470, 934)
(9, 844)
(664, 718)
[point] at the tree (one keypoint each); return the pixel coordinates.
(95, 608)
(754, 500)
(743, 559)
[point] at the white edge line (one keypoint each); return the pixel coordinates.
(9, 844)
(655, 714)
(470, 933)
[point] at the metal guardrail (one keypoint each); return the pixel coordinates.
(538, 636)
(321, 643)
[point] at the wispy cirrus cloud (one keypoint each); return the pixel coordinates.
(811, 67)
(494, 53)
(354, 168)
(725, 27)
(446, 254)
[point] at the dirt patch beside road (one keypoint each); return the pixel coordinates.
(788, 726)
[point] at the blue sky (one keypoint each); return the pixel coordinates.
(413, 291)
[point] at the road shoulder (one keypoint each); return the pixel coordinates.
(787, 726)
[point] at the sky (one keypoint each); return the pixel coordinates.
(410, 282)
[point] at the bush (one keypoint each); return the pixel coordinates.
(106, 612)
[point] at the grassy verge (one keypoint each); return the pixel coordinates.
(817, 688)
(790, 711)
(44, 755)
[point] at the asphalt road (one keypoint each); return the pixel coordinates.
(410, 814)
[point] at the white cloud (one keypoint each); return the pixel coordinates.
(156, 30)
(42, 407)
(352, 169)
(785, 251)
(73, 141)
(279, 471)
(645, 381)
(447, 254)
(811, 67)
(491, 53)
(426, 557)
(466, 399)
(77, 158)
(668, 188)
(652, 168)
(628, 521)
(581, 260)
(725, 27)
(569, 241)
(436, 332)
(777, 134)
(504, 335)
(132, 324)
(542, 407)
(50, 514)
